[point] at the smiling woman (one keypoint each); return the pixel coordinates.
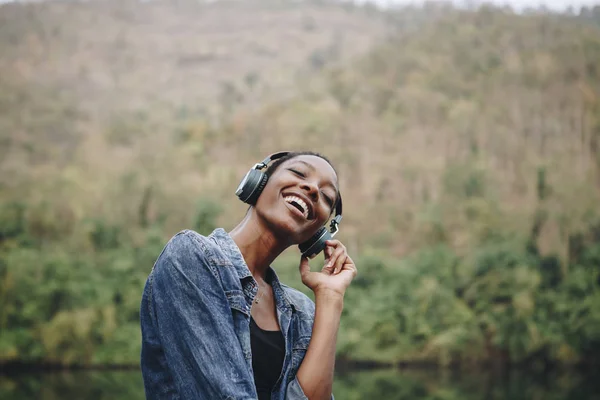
(216, 321)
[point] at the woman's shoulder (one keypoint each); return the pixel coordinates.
(301, 302)
(185, 242)
(188, 247)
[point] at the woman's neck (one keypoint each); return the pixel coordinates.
(257, 243)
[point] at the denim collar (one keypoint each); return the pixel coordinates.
(232, 251)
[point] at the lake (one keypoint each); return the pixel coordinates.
(366, 384)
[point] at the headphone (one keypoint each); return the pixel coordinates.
(253, 184)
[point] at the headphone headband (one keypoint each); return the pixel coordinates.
(266, 161)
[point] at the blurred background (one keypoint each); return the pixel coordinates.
(467, 141)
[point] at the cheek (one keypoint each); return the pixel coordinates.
(268, 195)
(323, 217)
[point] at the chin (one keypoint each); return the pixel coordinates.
(283, 224)
(285, 228)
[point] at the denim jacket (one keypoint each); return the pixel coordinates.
(195, 316)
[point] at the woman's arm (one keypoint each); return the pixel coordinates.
(316, 372)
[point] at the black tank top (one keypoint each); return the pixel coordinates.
(268, 351)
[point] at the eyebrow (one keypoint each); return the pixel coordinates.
(312, 167)
(307, 164)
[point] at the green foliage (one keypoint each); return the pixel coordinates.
(12, 221)
(66, 307)
(104, 236)
(207, 212)
(464, 181)
(439, 307)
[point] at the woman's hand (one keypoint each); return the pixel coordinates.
(336, 275)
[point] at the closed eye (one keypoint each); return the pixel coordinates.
(301, 174)
(328, 199)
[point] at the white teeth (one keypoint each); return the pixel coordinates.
(300, 202)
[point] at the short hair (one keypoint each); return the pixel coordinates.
(273, 167)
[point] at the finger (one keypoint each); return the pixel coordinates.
(330, 258)
(331, 246)
(337, 257)
(327, 252)
(333, 243)
(339, 264)
(328, 267)
(349, 265)
(304, 266)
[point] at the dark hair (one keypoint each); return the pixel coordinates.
(273, 167)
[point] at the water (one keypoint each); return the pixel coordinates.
(363, 385)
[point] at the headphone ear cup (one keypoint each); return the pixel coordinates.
(315, 244)
(251, 186)
(260, 185)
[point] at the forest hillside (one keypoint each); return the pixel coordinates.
(467, 144)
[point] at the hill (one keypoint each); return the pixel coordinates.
(467, 143)
(71, 70)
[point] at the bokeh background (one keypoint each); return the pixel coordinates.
(467, 141)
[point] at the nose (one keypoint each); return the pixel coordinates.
(311, 189)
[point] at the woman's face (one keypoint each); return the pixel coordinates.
(299, 197)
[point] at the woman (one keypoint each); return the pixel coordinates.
(216, 321)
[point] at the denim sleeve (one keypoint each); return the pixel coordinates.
(295, 392)
(194, 323)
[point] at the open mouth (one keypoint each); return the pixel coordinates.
(299, 204)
